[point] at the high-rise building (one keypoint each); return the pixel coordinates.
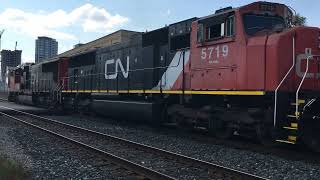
(45, 48)
(9, 59)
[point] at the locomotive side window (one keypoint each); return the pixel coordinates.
(215, 31)
(200, 33)
(230, 27)
(216, 27)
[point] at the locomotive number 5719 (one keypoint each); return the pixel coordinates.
(213, 54)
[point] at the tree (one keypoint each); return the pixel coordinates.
(300, 20)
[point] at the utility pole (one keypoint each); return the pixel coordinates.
(1, 32)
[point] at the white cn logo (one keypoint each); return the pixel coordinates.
(114, 75)
(303, 57)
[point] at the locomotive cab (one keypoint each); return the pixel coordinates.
(257, 48)
(229, 47)
(14, 82)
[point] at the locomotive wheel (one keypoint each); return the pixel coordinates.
(164, 117)
(310, 130)
(181, 121)
(220, 129)
(224, 133)
(314, 144)
(264, 134)
(312, 141)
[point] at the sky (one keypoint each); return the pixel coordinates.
(81, 21)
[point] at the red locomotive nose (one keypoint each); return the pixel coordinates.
(292, 48)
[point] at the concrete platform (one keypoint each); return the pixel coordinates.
(24, 108)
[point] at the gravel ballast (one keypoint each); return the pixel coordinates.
(267, 166)
(48, 157)
(44, 159)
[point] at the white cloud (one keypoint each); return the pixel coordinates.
(42, 23)
(94, 19)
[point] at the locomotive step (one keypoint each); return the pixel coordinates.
(300, 101)
(292, 116)
(286, 141)
(294, 126)
(294, 104)
(290, 140)
(297, 114)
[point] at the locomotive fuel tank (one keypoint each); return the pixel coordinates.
(129, 110)
(25, 99)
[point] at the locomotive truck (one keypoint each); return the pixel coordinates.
(247, 71)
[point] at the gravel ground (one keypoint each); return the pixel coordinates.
(46, 157)
(173, 168)
(268, 166)
(10, 148)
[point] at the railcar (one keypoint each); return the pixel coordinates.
(247, 71)
(19, 81)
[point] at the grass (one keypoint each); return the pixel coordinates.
(10, 170)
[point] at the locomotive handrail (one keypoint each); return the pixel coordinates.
(300, 85)
(282, 81)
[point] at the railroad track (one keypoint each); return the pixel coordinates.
(2, 99)
(148, 161)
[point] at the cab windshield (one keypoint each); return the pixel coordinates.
(254, 23)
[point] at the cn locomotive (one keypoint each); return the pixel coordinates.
(246, 71)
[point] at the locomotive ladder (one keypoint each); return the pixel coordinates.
(292, 128)
(56, 94)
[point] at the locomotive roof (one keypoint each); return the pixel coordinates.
(92, 45)
(234, 9)
(217, 14)
(57, 58)
(165, 27)
(190, 19)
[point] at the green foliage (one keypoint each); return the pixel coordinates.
(300, 20)
(10, 170)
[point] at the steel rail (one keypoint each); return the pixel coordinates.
(147, 172)
(210, 166)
